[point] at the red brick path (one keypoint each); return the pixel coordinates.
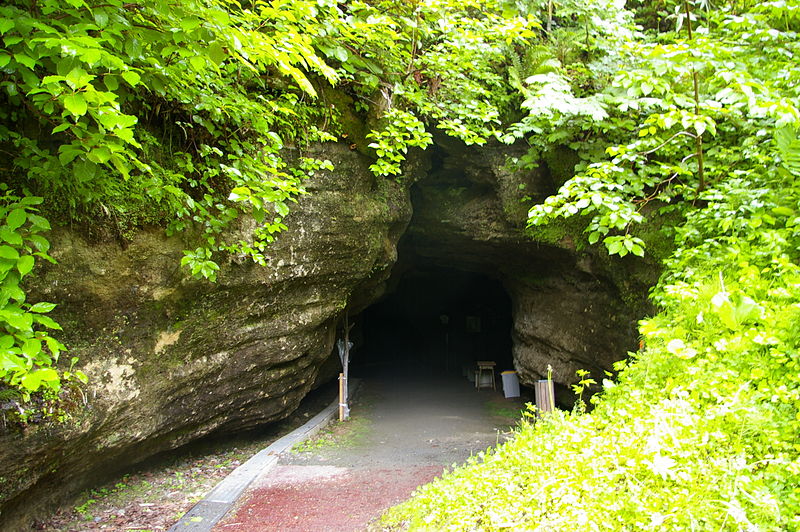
(323, 498)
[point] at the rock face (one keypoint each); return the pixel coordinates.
(171, 359)
(571, 309)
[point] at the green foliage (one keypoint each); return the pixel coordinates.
(163, 112)
(127, 114)
(403, 130)
(110, 85)
(701, 105)
(437, 62)
(700, 431)
(192, 114)
(28, 352)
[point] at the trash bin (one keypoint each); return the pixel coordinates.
(510, 384)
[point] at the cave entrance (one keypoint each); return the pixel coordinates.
(436, 321)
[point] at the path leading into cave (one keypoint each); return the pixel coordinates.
(405, 429)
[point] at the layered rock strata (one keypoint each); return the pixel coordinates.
(171, 359)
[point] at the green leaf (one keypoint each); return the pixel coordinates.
(32, 347)
(54, 346)
(5, 25)
(614, 247)
(67, 153)
(6, 341)
(42, 307)
(10, 236)
(216, 53)
(340, 53)
(76, 104)
(26, 60)
(12, 291)
(33, 380)
(190, 23)
(39, 222)
(46, 321)
(131, 77)
(48, 374)
(18, 320)
(120, 165)
(788, 145)
(7, 252)
(78, 78)
(40, 242)
(747, 310)
(101, 18)
(11, 362)
(198, 62)
(16, 218)
(84, 170)
(25, 264)
(111, 82)
(99, 155)
(125, 134)
(90, 56)
(6, 265)
(240, 194)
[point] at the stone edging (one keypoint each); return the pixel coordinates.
(208, 512)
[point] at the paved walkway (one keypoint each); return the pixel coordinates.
(404, 431)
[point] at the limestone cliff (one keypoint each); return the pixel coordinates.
(171, 359)
(572, 308)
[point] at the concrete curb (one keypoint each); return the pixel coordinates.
(208, 512)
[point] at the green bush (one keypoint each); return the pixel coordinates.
(701, 430)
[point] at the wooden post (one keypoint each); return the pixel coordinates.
(545, 396)
(342, 385)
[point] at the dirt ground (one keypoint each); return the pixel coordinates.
(403, 432)
(154, 495)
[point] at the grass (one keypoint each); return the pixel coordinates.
(336, 435)
(512, 412)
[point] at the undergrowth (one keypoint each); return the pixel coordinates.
(342, 434)
(700, 432)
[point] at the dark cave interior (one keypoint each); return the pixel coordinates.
(438, 321)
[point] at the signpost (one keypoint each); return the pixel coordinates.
(545, 396)
(344, 345)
